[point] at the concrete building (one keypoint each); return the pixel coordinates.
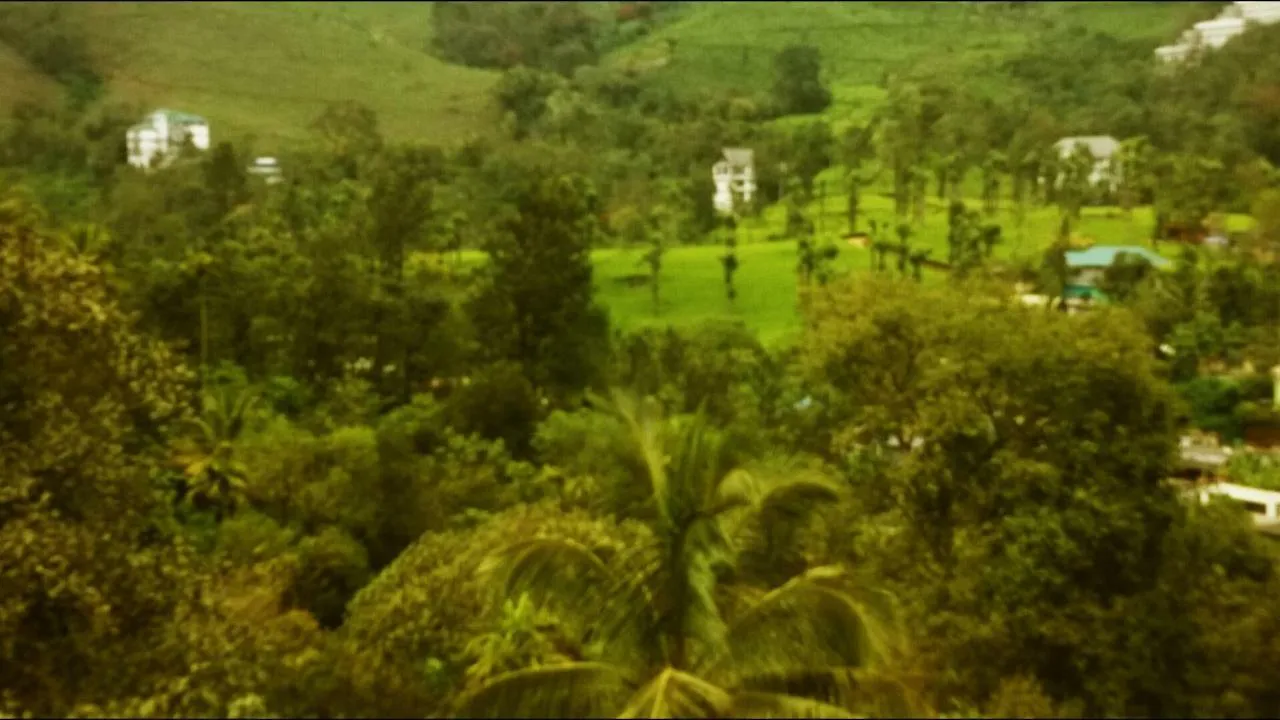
(735, 180)
(156, 140)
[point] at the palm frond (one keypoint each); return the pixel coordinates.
(781, 705)
(645, 426)
(677, 694)
(866, 692)
(549, 570)
(583, 689)
(815, 620)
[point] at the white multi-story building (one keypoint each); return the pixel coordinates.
(1215, 33)
(1101, 147)
(157, 139)
(735, 179)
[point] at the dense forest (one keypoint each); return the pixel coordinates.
(368, 441)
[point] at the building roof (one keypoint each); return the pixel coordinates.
(175, 116)
(1100, 146)
(739, 157)
(1101, 256)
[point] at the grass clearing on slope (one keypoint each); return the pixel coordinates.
(731, 45)
(268, 69)
(19, 82)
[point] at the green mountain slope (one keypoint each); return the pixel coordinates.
(20, 82)
(731, 45)
(268, 69)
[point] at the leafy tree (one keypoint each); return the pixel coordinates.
(90, 568)
(348, 133)
(1074, 181)
(522, 94)
(797, 83)
(899, 375)
(665, 644)
(546, 35)
(730, 259)
(401, 202)
(811, 153)
(992, 168)
(535, 307)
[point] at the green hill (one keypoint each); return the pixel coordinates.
(731, 45)
(20, 82)
(267, 69)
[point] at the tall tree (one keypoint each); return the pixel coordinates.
(729, 261)
(798, 86)
(666, 644)
(400, 208)
(536, 306)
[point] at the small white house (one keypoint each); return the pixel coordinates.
(156, 140)
(1216, 32)
(1263, 504)
(267, 168)
(1264, 13)
(735, 179)
(1102, 147)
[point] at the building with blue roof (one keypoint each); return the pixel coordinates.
(1087, 267)
(1101, 257)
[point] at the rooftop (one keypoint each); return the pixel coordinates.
(1100, 146)
(739, 156)
(175, 116)
(1105, 255)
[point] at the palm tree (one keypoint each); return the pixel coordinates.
(658, 643)
(212, 475)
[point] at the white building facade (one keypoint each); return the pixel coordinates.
(156, 140)
(1215, 33)
(735, 180)
(1101, 147)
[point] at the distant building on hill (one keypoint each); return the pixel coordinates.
(735, 179)
(157, 140)
(1101, 147)
(1215, 33)
(267, 168)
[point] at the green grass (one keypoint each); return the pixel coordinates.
(268, 69)
(731, 45)
(20, 82)
(693, 289)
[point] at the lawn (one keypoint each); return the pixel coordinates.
(693, 290)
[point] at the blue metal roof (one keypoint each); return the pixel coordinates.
(1105, 255)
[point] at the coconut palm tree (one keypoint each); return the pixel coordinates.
(212, 475)
(658, 641)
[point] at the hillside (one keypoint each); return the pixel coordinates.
(731, 46)
(20, 82)
(268, 69)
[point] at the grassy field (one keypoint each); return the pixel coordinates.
(20, 82)
(267, 69)
(693, 278)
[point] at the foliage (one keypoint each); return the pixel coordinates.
(656, 625)
(536, 307)
(798, 85)
(546, 35)
(1056, 480)
(87, 400)
(1254, 470)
